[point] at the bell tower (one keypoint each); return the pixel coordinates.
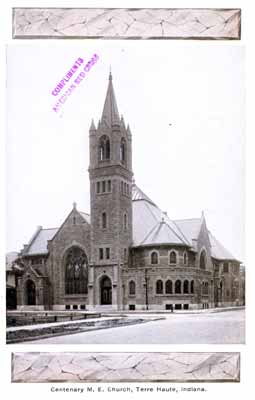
(110, 173)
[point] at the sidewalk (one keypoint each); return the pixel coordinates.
(168, 312)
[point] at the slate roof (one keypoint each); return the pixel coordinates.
(110, 113)
(218, 251)
(39, 243)
(138, 194)
(190, 228)
(151, 226)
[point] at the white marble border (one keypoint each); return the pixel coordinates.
(123, 23)
(125, 367)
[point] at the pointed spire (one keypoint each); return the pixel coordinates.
(92, 126)
(110, 114)
(122, 122)
(74, 205)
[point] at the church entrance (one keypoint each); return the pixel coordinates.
(31, 296)
(106, 291)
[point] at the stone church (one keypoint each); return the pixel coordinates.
(126, 254)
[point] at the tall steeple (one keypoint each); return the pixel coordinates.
(110, 115)
(110, 174)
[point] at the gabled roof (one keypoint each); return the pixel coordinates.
(218, 251)
(151, 226)
(110, 114)
(189, 227)
(148, 227)
(40, 241)
(162, 233)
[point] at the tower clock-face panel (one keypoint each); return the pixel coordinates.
(110, 184)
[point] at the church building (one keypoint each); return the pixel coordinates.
(126, 254)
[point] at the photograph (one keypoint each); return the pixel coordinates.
(125, 192)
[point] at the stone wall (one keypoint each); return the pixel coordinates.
(74, 232)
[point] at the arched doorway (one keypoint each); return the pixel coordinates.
(31, 295)
(106, 291)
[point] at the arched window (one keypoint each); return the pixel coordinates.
(154, 257)
(123, 150)
(104, 220)
(172, 257)
(186, 287)
(104, 148)
(178, 286)
(185, 258)
(76, 271)
(159, 287)
(125, 222)
(202, 261)
(131, 288)
(169, 287)
(192, 287)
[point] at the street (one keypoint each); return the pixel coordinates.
(226, 327)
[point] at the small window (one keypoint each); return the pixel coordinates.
(107, 250)
(109, 186)
(185, 258)
(68, 307)
(192, 287)
(75, 307)
(154, 257)
(132, 288)
(125, 254)
(104, 220)
(159, 287)
(101, 254)
(178, 306)
(103, 187)
(185, 306)
(98, 187)
(123, 150)
(121, 186)
(225, 267)
(172, 257)
(125, 222)
(131, 307)
(83, 307)
(169, 306)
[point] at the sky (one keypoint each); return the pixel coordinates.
(184, 102)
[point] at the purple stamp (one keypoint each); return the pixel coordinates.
(70, 83)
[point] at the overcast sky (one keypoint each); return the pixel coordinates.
(184, 102)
